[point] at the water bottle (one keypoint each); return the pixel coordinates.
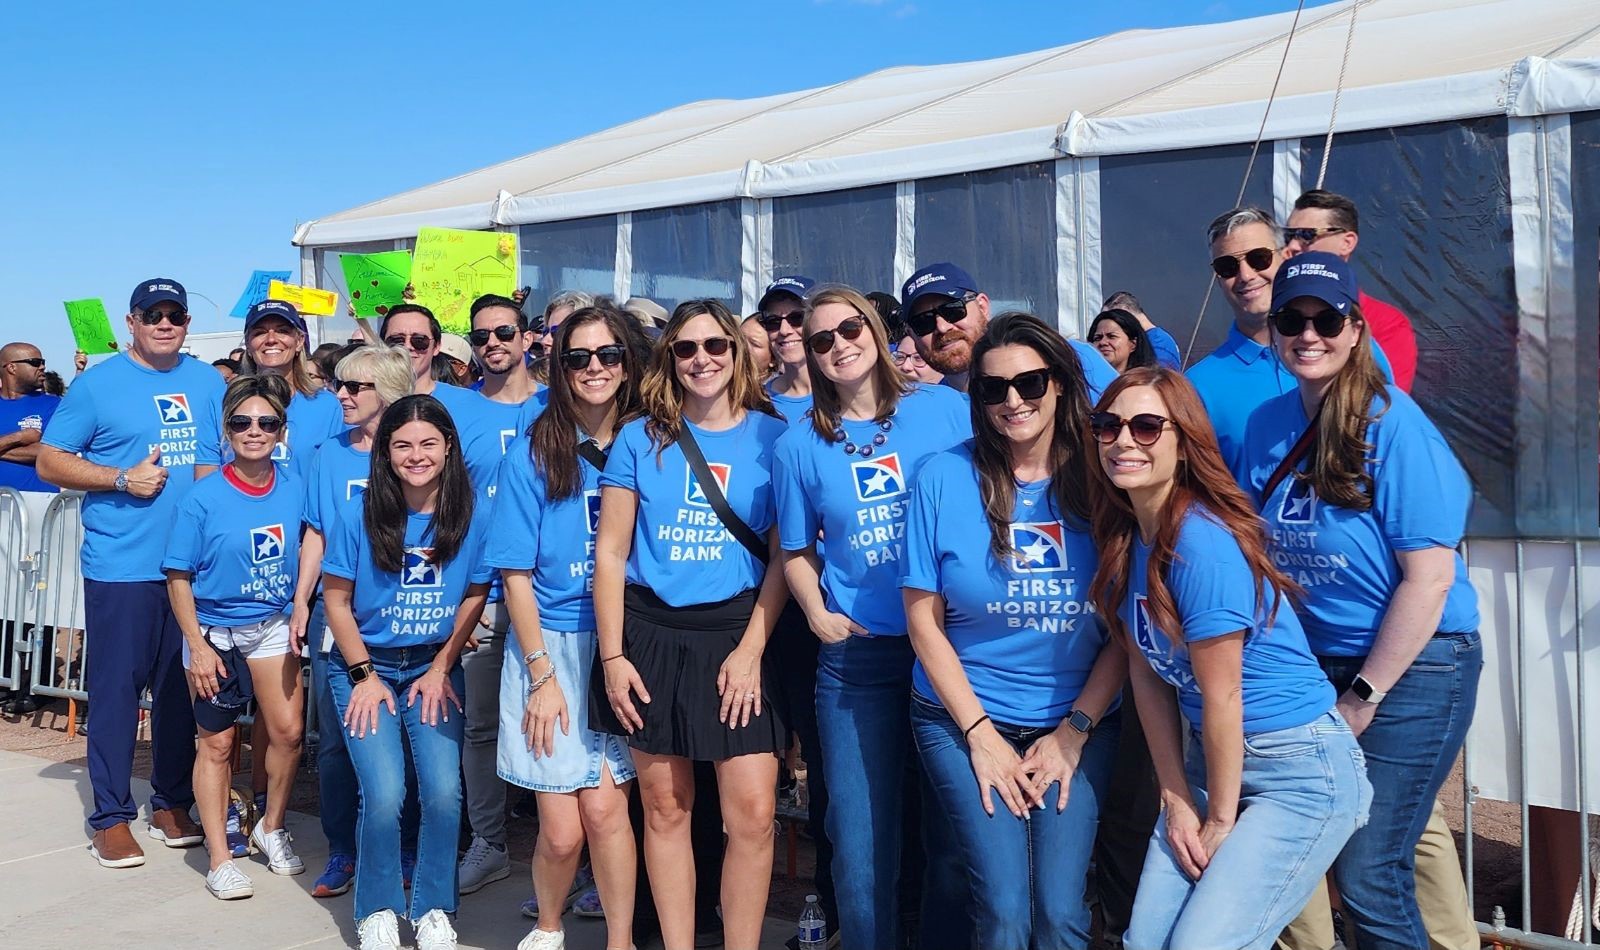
(812, 930)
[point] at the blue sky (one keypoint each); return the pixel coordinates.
(188, 139)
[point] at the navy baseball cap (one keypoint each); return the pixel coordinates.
(158, 290)
(794, 285)
(942, 278)
(283, 310)
(1326, 277)
(234, 693)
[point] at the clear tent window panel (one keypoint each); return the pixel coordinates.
(999, 226)
(687, 253)
(840, 237)
(567, 255)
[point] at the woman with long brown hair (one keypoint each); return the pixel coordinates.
(1274, 784)
(684, 605)
(1366, 504)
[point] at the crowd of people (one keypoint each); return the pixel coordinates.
(1074, 643)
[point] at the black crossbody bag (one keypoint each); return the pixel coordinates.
(719, 502)
(1301, 448)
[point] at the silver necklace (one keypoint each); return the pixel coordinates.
(1029, 495)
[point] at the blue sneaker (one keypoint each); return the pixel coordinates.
(238, 843)
(584, 880)
(336, 878)
(408, 864)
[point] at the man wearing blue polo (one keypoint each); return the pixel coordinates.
(24, 409)
(135, 433)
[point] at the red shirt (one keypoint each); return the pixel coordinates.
(1392, 329)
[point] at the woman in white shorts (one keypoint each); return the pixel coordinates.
(547, 505)
(230, 567)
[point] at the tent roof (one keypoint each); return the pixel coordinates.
(1411, 61)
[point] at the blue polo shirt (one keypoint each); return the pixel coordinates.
(25, 412)
(1166, 347)
(243, 550)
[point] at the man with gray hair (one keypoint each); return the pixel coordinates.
(564, 302)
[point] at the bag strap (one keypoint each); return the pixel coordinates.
(1301, 448)
(719, 502)
(593, 454)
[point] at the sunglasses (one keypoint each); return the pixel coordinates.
(1308, 235)
(770, 322)
(1292, 323)
(577, 359)
(419, 342)
(686, 349)
(505, 333)
(551, 330)
(925, 322)
(178, 318)
(352, 387)
(1146, 427)
(992, 390)
(240, 424)
(37, 362)
(822, 340)
(1259, 259)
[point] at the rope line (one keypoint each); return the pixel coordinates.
(1338, 93)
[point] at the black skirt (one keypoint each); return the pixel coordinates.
(678, 652)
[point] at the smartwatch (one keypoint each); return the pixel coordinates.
(1079, 721)
(121, 484)
(360, 672)
(1366, 692)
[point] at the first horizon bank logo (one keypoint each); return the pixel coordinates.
(173, 409)
(1040, 546)
(419, 569)
(878, 478)
(266, 543)
(693, 494)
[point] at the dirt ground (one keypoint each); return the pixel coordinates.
(1496, 825)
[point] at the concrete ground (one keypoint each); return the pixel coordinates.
(54, 894)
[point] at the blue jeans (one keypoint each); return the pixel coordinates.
(1411, 745)
(1029, 877)
(380, 760)
(1302, 792)
(863, 685)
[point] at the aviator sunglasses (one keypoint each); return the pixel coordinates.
(1328, 322)
(240, 424)
(577, 359)
(822, 340)
(1146, 427)
(1227, 265)
(992, 390)
(419, 342)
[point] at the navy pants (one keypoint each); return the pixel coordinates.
(134, 644)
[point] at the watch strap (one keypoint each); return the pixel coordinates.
(1366, 692)
(1080, 721)
(360, 672)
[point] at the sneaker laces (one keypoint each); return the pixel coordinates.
(337, 864)
(228, 877)
(435, 933)
(380, 931)
(478, 854)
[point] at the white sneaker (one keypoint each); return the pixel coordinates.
(281, 858)
(482, 864)
(380, 931)
(434, 932)
(228, 883)
(544, 940)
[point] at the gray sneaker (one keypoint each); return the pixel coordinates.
(482, 864)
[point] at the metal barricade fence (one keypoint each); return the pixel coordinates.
(58, 645)
(16, 573)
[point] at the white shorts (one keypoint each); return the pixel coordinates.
(262, 640)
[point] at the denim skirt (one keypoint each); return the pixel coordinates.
(581, 752)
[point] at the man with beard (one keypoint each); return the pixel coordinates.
(946, 313)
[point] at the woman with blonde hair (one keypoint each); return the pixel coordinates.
(275, 344)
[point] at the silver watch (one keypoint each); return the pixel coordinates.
(121, 484)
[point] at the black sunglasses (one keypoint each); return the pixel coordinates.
(1146, 427)
(505, 333)
(1259, 259)
(577, 359)
(770, 322)
(1291, 323)
(1308, 235)
(715, 346)
(178, 318)
(993, 390)
(37, 362)
(419, 342)
(240, 424)
(925, 322)
(352, 387)
(849, 328)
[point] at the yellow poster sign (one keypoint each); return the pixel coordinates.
(310, 301)
(450, 269)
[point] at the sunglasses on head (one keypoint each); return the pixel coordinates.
(770, 322)
(505, 333)
(353, 387)
(686, 349)
(924, 322)
(1291, 323)
(993, 390)
(177, 318)
(419, 342)
(1146, 427)
(1259, 259)
(240, 424)
(577, 359)
(822, 340)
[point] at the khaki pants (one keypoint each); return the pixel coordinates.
(1441, 897)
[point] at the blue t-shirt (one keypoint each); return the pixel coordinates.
(794, 408)
(418, 605)
(1215, 594)
(536, 404)
(243, 551)
(860, 504)
(553, 541)
(116, 414)
(486, 432)
(338, 475)
(681, 551)
(1240, 375)
(312, 421)
(1025, 631)
(1166, 347)
(1097, 373)
(25, 412)
(1345, 559)
(460, 402)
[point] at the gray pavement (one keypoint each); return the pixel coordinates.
(54, 895)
